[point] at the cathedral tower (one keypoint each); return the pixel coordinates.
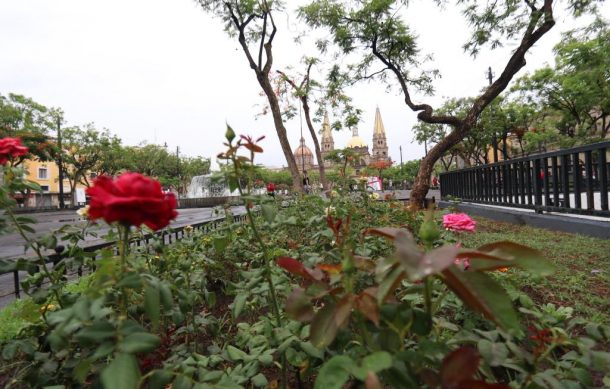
(328, 144)
(380, 145)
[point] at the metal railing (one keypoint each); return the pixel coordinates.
(571, 181)
(165, 237)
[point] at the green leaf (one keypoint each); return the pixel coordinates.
(238, 305)
(269, 212)
(166, 296)
(236, 354)
(122, 373)
(220, 243)
(152, 305)
(377, 361)
(81, 371)
(311, 350)
(159, 379)
(334, 373)
(259, 381)
(495, 354)
(131, 280)
(139, 342)
(97, 332)
(324, 327)
(481, 293)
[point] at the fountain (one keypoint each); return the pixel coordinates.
(209, 185)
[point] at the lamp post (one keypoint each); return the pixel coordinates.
(60, 165)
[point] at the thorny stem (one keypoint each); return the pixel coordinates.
(36, 248)
(272, 291)
(124, 247)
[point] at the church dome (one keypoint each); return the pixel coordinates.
(303, 150)
(356, 141)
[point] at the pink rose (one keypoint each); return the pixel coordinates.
(458, 222)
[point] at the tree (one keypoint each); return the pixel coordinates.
(253, 24)
(303, 91)
(577, 88)
(24, 118)
(374, 29)
(83, 148)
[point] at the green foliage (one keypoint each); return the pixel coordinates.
(574, 93)
(34, 123)
(338, 291)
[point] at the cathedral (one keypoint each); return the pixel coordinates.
(305, 158)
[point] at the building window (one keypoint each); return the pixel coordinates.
(44, 188)
(43, 173)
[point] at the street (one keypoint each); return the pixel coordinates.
(12, 245)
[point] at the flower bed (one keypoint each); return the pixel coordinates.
(349, 291)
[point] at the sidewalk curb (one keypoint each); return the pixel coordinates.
(574, 225)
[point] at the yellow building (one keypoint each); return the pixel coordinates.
(45, 174)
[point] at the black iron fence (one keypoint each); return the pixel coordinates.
(571, 180)
(8, 292)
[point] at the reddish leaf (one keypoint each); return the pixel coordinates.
(458, 366)
(330, 268)
(481, 293)
(372, 381)
(254, 148)
(295, 267)
(386, 232)
(298, 306)
(364, 263)
(366, 303)
(475, 384)
(323, 326)
(506, 254)
(343, 310)
(418, 265)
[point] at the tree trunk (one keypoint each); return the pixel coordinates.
(316, 144)
(422, 181)
(281, 130)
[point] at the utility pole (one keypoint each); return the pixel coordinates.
(178, 167)
(60, 164)
(494, 139)
(400, 147)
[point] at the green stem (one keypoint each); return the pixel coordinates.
(36, 248)
(428, 294)
(123, 249)
(269, 278)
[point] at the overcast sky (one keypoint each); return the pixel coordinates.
(165, 71)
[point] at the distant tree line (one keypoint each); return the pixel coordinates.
(87, 151)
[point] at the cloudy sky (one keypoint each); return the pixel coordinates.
(164, 71)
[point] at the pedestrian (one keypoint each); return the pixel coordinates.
(306, 186)
(271, 189)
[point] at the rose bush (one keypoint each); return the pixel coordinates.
(132, 199)
(11, 148)
(459, 222)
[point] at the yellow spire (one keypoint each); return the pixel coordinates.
(326, 132)
(378, 124)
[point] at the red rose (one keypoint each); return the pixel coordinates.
(11, 148)
(131, 199)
